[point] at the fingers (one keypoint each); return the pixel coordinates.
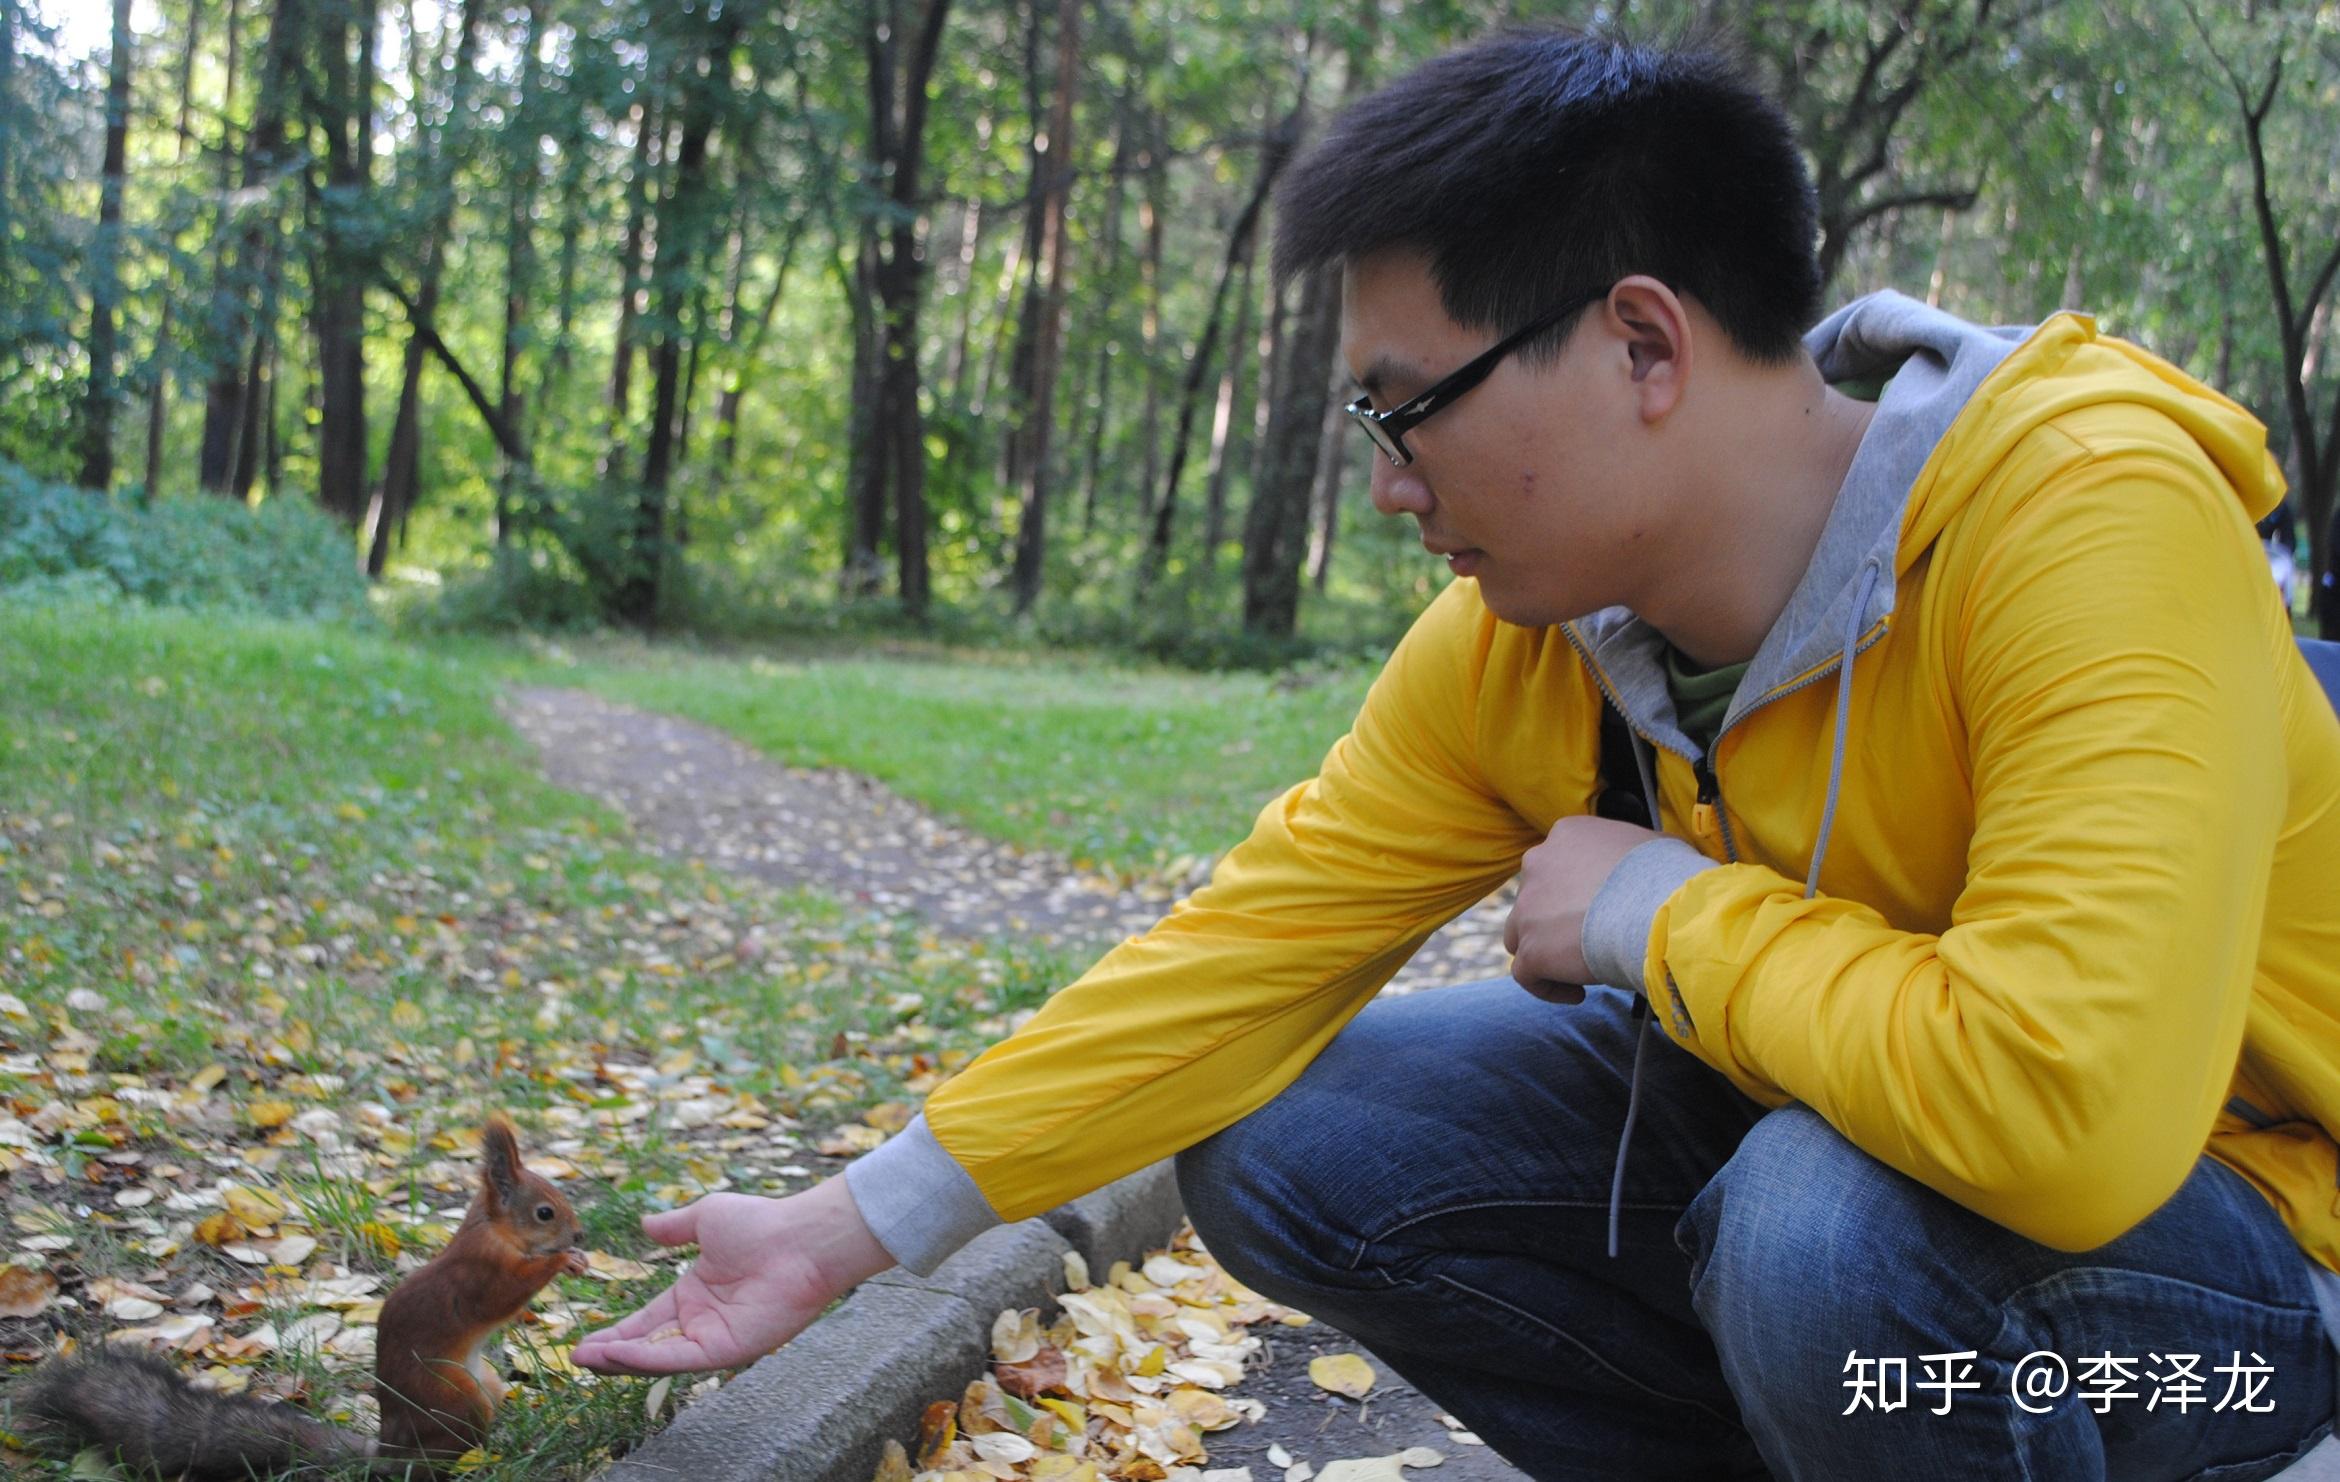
(673, 1226)
(676, 1354)
(1551, 991)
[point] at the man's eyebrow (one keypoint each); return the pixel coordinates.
(1381, 372)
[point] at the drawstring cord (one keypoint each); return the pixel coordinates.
(1641, 1015)
(1852, 646)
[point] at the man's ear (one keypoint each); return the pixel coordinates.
(1654, 328)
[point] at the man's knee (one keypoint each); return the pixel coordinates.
(1249, 1193)
(1801, 1249)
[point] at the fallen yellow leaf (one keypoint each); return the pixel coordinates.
(220, 1229)
(255, 1209)
(380, 1239)
(1342, 1373)
(615, 1268)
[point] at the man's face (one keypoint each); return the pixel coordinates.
(1524, 482)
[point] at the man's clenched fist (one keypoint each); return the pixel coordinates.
(1557, 882)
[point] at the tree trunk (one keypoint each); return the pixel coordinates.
(727, 324)
(158, 389)
(342, 112)
(1273, 157)
(1150, 208)
(520, 256)
(632, 271)
(1332, 458)
(747, 353)
(1003, 323)
(1224, 436)
(1271, 378)
(863, 570)
(231, 404)
(898, 103)
(402, 465)
(697, 342)
(576, 156)
(97, 408)
(270, 441)
(970, 252)
(1108, 278)
(2315, 452)
(1276, 527)
(682, 228)
(2091, 187)
(1038, 412)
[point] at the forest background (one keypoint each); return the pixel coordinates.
(737, 315)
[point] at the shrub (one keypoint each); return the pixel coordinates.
(284, 559)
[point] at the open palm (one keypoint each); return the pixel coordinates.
(754, 1286)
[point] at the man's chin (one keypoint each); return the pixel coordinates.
(1528, 611)
(1516, 608)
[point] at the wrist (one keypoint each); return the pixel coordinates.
(842, 1249)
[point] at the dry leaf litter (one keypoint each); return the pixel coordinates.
(1125, 1384)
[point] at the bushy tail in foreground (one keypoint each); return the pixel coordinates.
(138, 1409)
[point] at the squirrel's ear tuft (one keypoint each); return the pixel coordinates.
(499, 1163)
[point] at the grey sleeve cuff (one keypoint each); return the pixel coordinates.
(1616, 925)
(917, 1200)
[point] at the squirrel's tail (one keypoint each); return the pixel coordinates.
(140, 1410)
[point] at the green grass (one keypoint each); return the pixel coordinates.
(290, 906)
(1117, 767)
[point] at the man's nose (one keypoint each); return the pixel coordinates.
(1398, 491)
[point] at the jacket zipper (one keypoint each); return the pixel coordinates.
(1707, 814)
(1710, 814)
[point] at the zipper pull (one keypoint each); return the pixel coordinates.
(1702, 820)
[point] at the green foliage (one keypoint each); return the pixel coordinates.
(284, 559)
(2102, 147)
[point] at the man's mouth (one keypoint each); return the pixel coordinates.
(1462, 560)
(1446, 548)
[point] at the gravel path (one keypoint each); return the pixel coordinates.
(696, 792)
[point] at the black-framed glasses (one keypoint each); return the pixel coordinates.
(1388, 429)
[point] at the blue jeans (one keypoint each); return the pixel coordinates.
(1436, 1185)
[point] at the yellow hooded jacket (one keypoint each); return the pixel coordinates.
(2077, 915)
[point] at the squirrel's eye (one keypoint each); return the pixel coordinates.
(544, 1212)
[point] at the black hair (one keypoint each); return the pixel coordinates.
(1538, 164)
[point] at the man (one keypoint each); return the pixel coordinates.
(1990, 946)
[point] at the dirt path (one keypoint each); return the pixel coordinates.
(696, 792)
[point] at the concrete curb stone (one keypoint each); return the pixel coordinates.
(1018, 1265)
(821, 1408)
(1123, 1220)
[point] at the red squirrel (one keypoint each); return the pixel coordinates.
(431, 1379)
